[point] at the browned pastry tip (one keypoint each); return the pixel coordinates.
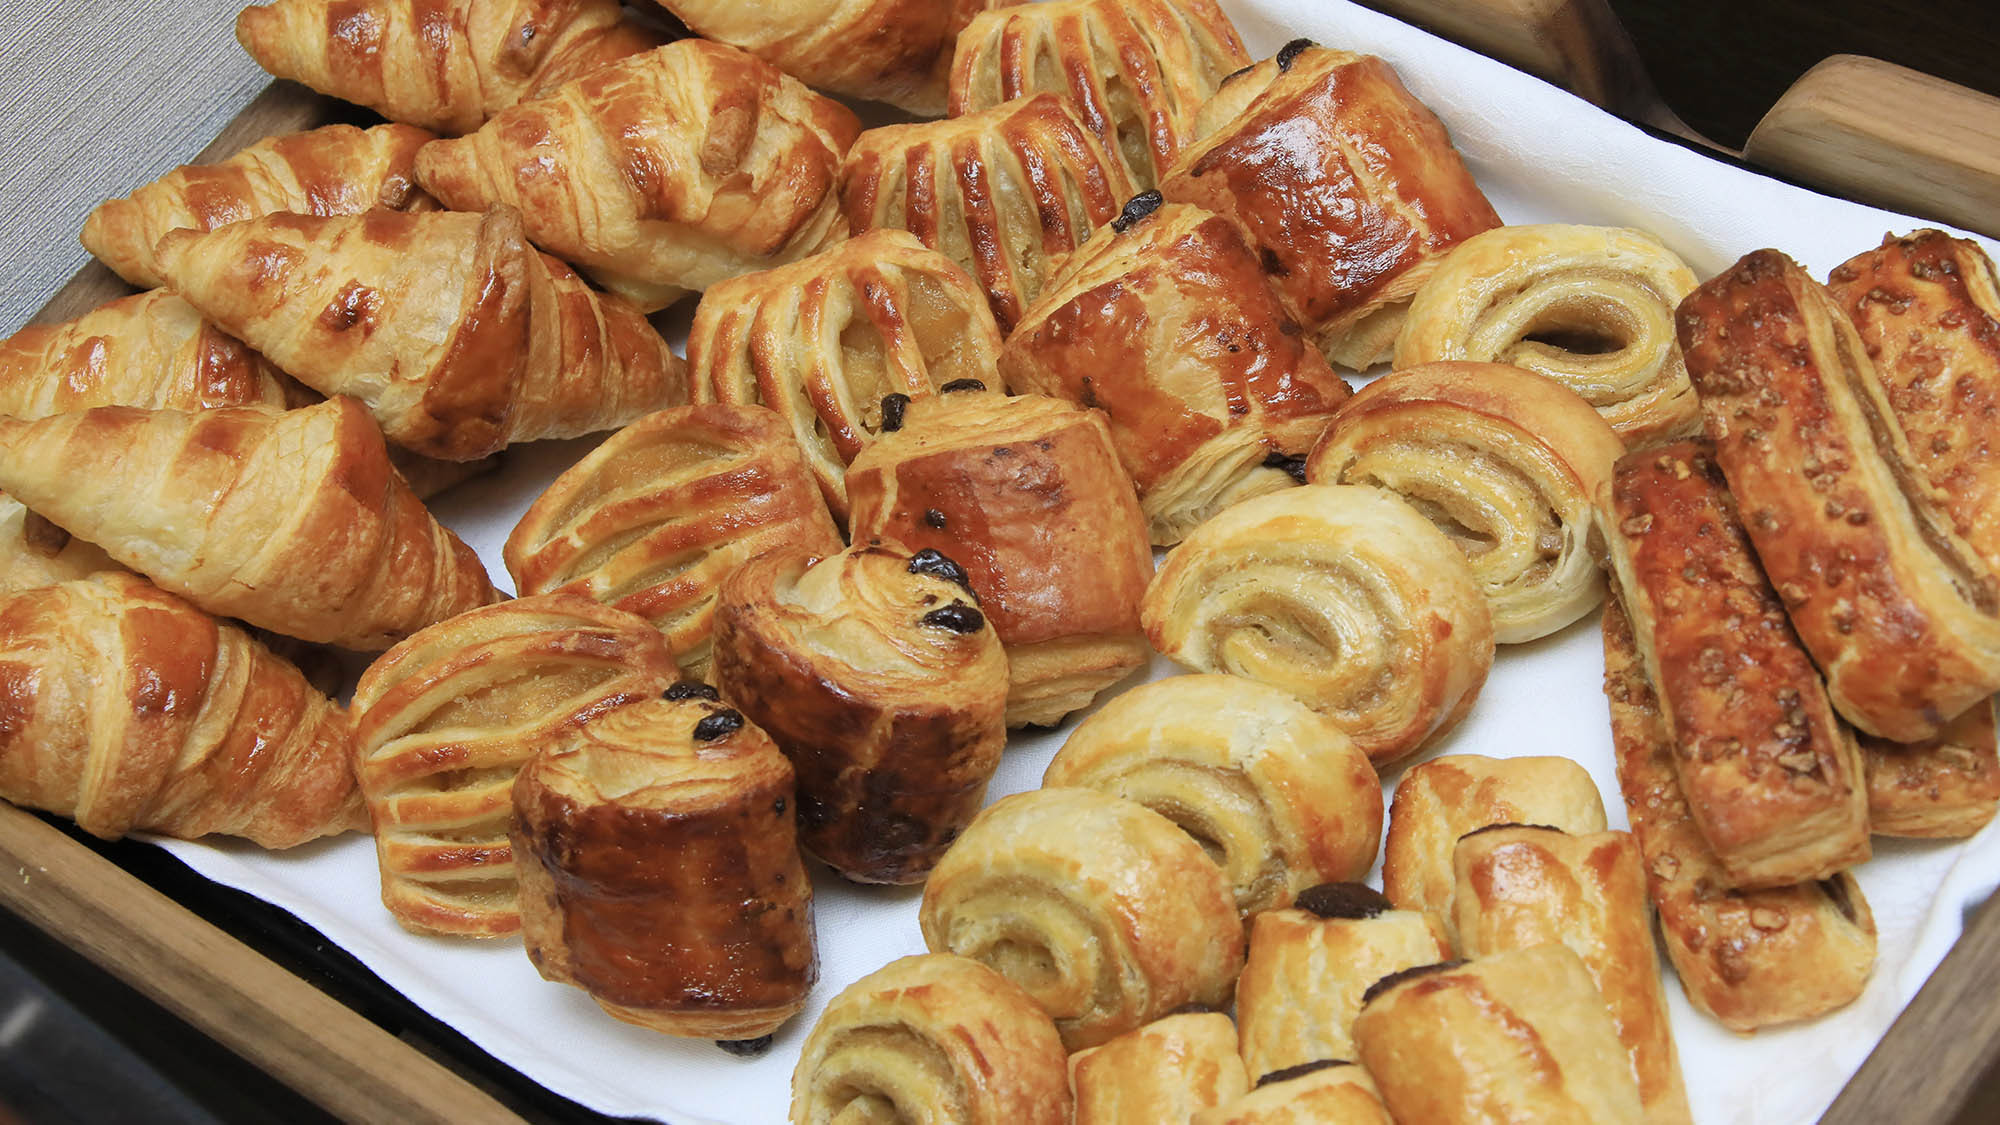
(1168, 1070)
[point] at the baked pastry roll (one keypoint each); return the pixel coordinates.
(1590, 307)
(1750, 959)
(1772, 778)
(1346, 184)
(36, 553)
(443, 722)
(1026, 494)
(1271, 789)
(1164, 321)
(1309, 966)
(654, 519)
(1504, 462)
(129, 710)
(1103, 910)
(1946, 786)
(333, 170)
(1519, 886)
(445, 66)
(459, 336)
(824, 341)
(1168, 1070)
(659, 869)
(662, 173)
(294, 522)
(1515, 1036)
(1898, 611)
(1440, 800)
(1344, 596)
(879, 678)
(931, 1037)
(1136, 71)
(1330, 1090)
(1004, 192)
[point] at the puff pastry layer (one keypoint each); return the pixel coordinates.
(36, 553)
(1340, 1091)
(1947, 786)
(1168, 1070)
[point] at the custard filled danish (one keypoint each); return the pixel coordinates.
(1168, 1070)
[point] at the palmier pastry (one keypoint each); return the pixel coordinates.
(1136, 71)
(1315, 1093)
(35, 552)
(129, 710)
(655, 518)
(1168, 1070)
(879, 678)
(293, 522)
(1519, 886)
(445, 66)
(445, 720)
(1751, 959)
(824, 341)
(1590, 307)
(1270, 788)
(1346, 184)
(1103, 910)
(459, 336)
(1309, 966)
(932, 1037)
(659, 869)
(334, 170)
(1897, 610)
(1945, 786)
(1164, 321)
(1772, 778)
(1343, 596)
(662, 173)
(1515, 1036)
(1504, 462)
(1004, 192)
(1441, 800)
(1026, 494)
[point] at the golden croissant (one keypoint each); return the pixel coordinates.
(334, 170)
(132, 711)
(294, 521)
(457, 334)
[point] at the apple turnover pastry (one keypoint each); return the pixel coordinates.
(1327, 1090)
(1168, 1070)
(1946, 786)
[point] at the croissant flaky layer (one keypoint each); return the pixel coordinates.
(35, 552)
(132, 711)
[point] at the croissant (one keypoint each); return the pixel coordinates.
(1004, 192)
(1168, 1070)
(1947, 786)
(445, 66)
(825, 340)
(1136, 71)
(35, 552)
(1343, 596)
(334, 170)
(1504, 462)
(293, 521)
(1164, 321)
(666, 172)
(1327, 1090)
(130, 710)
(456, 333)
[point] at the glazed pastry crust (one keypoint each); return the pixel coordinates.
(1271, 788)
(1343, 1094)
(1329, 591)
(1168, 1070)
(1505, 462)
(932, 1035)
(1103, 910)
(1165, 322)
(1897, 610)
(1946, 787)
(660, 873)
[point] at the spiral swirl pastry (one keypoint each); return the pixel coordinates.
(880, 679)
(1505, 463)
(1271, 789)
(445, 720)
(825, 340)
(1136, 71)
(1103, 910)
(1004, 192)
(1343, 596)
(660, 872)
(931, 1038)
(655, 518)
(1590, 307)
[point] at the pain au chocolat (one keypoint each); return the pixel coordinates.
(1168, 1070)
(1309, 1094)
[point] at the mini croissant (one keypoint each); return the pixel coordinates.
(458, 335)
(294, 521)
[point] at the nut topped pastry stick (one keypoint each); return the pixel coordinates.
(1946, 786)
